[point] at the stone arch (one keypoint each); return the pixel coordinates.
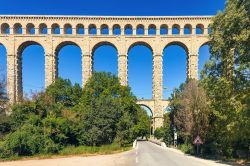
(63, 44)
(43, 29)
(104, 29)
(19, 68)
(68, 29)
(152, 29)
(92, 29)
(55, 28)
(199, 29)
(65, 71)
(18, 29)
(148, 107)
(164, 29)
(116, 30)
(102, 43)
(5, 28)
(178, 43)
(30, 28)
(176, 29)
(188, 29)
(143, 43)
(128, 29)
(80, 29)
(140, 29)
(171, 60)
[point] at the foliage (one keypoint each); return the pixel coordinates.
(226, 79)
(142, 128)
(187, 147)
(65, 115)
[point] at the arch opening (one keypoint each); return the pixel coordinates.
(176, 29)
(128, 30)
(18, 28)
(3, 65)
(31, 65)
(152, 30)
(187, 29)
(30, 29)
(68, 29)
(105, 58)
(92, 29)
(163, 30)
(140, 70)
(5, 28)
(104, 29)
(199, 29)
(80, 29)
(174, 67)
(55, 29)
(116, 30)
(140, 30)
(43, 29)
(203, 58)
(69, 62)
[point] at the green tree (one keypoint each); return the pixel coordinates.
(104, 107)
(142, 128)
(226, 79)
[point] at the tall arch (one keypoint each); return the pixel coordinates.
(199, 29)
(188, 29)
(80, 29)
(152, 29)
(140, 69)
(203, 57)
(3, 63)
(30, 69)
(92, 29)
(175, 63)
(69, 61)
(105, 57)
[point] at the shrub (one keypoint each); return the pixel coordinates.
(187, 148)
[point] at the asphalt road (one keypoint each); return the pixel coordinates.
(149, 154)
(145, 154)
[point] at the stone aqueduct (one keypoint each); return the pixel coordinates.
(86, 32)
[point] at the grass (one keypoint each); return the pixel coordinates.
(70, 151)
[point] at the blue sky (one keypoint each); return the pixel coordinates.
(105, 57)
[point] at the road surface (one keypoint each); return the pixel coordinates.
(145, 154)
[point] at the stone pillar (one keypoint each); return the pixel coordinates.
(11, 79)
(123, 69)
(193, 66)
(86, 68)
(51, 69)
(18, 77)
(86, 31)
(157, 90)
(134, 31)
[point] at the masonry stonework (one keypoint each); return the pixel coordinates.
(18, 32)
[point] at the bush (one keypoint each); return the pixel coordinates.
(159, 133)
(28, 140)
(187, 148)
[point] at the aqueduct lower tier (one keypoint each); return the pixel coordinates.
(87, 32)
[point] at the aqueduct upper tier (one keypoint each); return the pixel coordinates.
(89, 32)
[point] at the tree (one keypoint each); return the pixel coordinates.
(105, 108)
(226, 79)
(142, 128)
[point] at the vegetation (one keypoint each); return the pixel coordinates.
(217, 108)
(102, 114)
